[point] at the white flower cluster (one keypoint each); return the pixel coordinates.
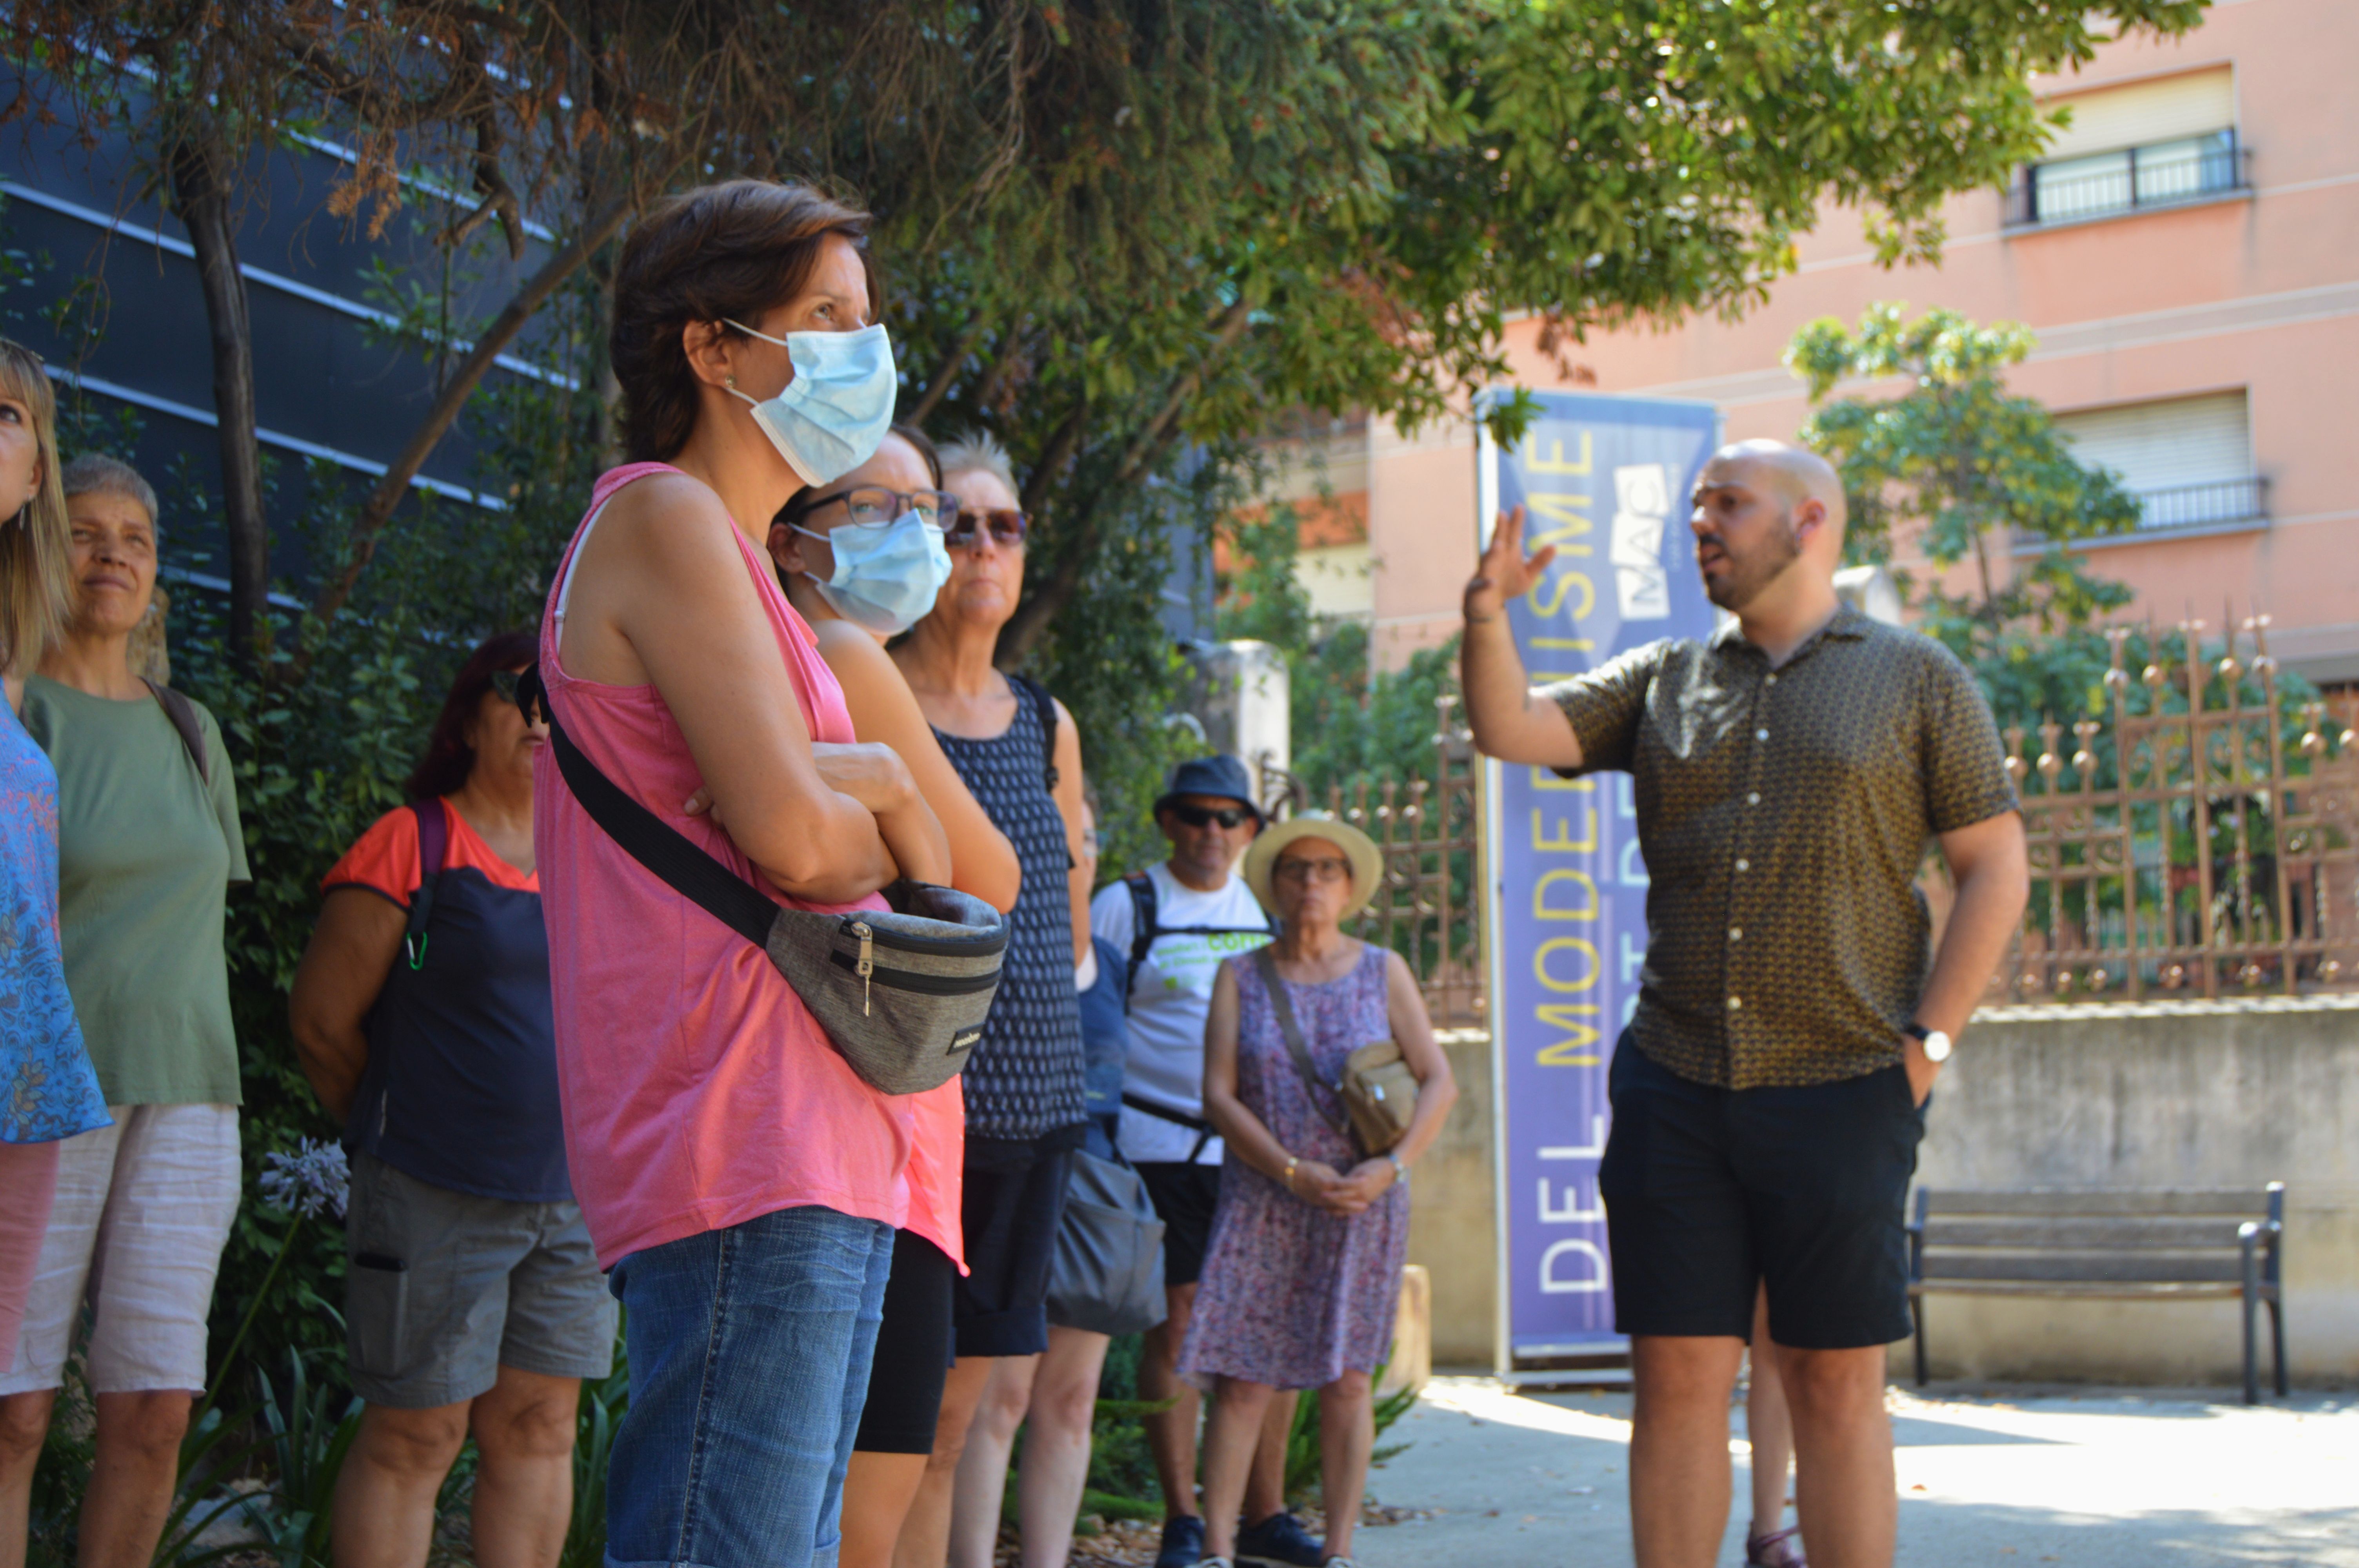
(313, 1180)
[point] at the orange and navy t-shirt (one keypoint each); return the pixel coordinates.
(385, 859)
(460, 1086)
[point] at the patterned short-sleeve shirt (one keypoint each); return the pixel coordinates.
(1784, 815)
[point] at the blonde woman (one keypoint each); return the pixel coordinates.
(47, 1090)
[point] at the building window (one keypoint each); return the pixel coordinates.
(2189, 460)
(2129, 150)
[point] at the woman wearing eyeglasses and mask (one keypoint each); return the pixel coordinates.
(738, 1177)
(1018, 752)
(862, 560)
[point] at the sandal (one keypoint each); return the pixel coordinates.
(1778, 1549)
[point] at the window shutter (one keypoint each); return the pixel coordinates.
(2160, 446)
(2144, 113)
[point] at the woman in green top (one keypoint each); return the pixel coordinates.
(148, 844)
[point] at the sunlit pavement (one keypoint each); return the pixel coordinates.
(1987, 1476)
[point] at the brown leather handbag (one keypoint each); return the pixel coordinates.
(1377, 1091)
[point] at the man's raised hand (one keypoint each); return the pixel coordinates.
(1504, 571)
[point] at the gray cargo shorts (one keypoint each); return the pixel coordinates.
(444, 1287)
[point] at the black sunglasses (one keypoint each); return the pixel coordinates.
(1202, 815)
(1007, 526)
(504, 683)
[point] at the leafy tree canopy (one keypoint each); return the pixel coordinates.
(1969, 468)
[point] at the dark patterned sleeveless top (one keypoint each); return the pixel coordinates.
(1025, 1079)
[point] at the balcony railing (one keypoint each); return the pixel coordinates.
(2135, 179)
(2200, 505)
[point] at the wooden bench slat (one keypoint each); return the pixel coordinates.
(2066, 1203)
(2158, 1267)
(2099, 1291)
(2118, 1233)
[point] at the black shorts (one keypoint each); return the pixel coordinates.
(1013, 1201)
(913, 1351)
(1710, 1192)
(1184, 1196)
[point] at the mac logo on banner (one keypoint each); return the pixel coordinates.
(1642, 502)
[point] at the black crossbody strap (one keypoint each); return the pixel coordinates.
(183, 715)
(433, 855)
(660, 847)
(1283, 1006)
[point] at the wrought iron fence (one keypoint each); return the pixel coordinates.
(1430, 906)
(2202, 844)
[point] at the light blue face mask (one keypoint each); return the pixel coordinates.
(886, 574)
(828, 420)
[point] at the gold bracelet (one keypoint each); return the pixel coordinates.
(1291, 1162)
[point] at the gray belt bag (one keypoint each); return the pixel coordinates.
(901, 993)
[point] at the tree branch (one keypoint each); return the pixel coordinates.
(379, 508)
(941, 385)
(1148, 448)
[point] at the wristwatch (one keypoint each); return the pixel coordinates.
(1935, 1043)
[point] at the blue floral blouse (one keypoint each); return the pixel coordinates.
(47, 1089)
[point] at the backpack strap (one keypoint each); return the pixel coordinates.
(1045, 707)
(433, 857)
(1144, 930)
(183, 715)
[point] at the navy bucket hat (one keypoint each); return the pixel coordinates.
(1221, 776)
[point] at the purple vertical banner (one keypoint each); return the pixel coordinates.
(1606, 480)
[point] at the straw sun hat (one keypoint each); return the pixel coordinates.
(1367, 862)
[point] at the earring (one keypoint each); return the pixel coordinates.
(730, 382)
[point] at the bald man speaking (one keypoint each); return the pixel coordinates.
(1769, 1093)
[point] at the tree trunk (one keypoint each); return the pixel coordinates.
(201, 188)
(378, 509)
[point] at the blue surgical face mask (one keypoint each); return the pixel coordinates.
(828, 420)
(886, 574)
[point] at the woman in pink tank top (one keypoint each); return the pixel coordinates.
(737, 1176)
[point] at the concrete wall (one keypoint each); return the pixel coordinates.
(2171, 1095)
(2176, 1094)
(1451, 1212)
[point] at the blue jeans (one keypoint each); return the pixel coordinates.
(749, 1351)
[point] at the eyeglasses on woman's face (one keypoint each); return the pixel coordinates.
(503, 684)
(1302, 873)
(1007, 527)
(873, 503)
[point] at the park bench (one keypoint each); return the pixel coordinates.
(2121, 1245)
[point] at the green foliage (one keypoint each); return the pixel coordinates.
(1971, 468)
(1350, 724)
(604, 1405)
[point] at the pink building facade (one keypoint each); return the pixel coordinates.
(2187, 253)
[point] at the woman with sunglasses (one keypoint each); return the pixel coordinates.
(861, 560)
(1018, 752)
(472, 1300)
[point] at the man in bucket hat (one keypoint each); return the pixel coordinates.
(1176, 921)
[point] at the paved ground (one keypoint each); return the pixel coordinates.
(2008, 1478)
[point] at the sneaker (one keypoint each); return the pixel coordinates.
(1279, 1541)
(1183, 1542)
(1778, 1549)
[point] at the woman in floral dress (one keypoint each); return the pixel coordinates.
(1302, 1273)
